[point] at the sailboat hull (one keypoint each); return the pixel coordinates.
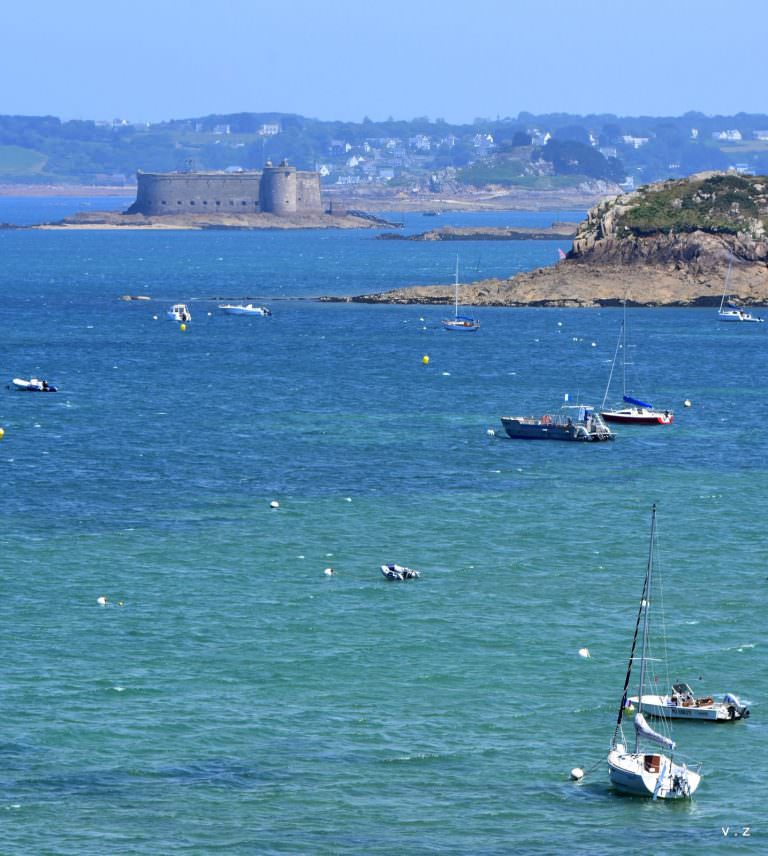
(738, 315)
(638, 416)
(651, 775)
(461, 325)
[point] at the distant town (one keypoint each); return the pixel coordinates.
(538, 152)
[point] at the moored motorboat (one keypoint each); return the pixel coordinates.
(179, 312)
(399, 573)
(579, 423)
(32, 385)
(244, 309)
(681, 703)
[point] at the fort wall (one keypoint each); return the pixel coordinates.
(280, 190)
(308, 192)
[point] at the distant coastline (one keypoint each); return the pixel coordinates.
(374, 199)
(67, 190)
(555, 232)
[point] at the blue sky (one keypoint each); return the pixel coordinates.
(345, 59)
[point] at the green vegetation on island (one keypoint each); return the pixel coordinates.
(721, 203)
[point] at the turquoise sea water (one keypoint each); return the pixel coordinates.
(240, 701)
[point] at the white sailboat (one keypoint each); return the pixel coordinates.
(644, 771)
(727, 312)
(633, 411)
(460, 323)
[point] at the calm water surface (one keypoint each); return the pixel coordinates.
(241, 701)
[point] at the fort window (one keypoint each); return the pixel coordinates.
(163, 202)
(244, 202)
(191, 201)
(205, 201)
(218, 202)
(179, 202)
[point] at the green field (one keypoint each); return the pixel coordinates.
(14, 160)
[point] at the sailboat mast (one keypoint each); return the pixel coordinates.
(727, 279)
(456, 288)
(613, 365)
(623, 703)
(645, 605)
(624, 353)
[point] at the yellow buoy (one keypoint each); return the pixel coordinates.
(183, 327)
(2, 433)
(425, 359)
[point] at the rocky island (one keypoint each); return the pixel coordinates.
(666, 244)
(555, 232)
(212, 220)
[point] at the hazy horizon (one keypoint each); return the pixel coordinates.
(343, 61)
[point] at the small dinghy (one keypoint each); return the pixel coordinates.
(32, 385)
(399, 573)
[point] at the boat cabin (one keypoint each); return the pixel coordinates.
(682, 694)
(652, 763)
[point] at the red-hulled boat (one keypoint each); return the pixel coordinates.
(632, 411)
(638, 413)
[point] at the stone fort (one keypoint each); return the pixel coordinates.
(280, 190)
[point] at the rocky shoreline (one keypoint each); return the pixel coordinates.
(676, 243)
(582, 285)
(469, 199)
(117, 220)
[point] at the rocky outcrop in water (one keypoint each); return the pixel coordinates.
(557, 231)
(667, 244)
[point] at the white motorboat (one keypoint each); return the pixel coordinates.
(644, 771)
(32, 385)
(681, 703)
(399, 573)
(179, 312)
(244, 309)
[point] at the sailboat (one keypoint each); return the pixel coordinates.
(634, 411)
(460, 323)
(643, 771)
(727, 312)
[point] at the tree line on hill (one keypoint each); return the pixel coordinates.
(524, 150)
